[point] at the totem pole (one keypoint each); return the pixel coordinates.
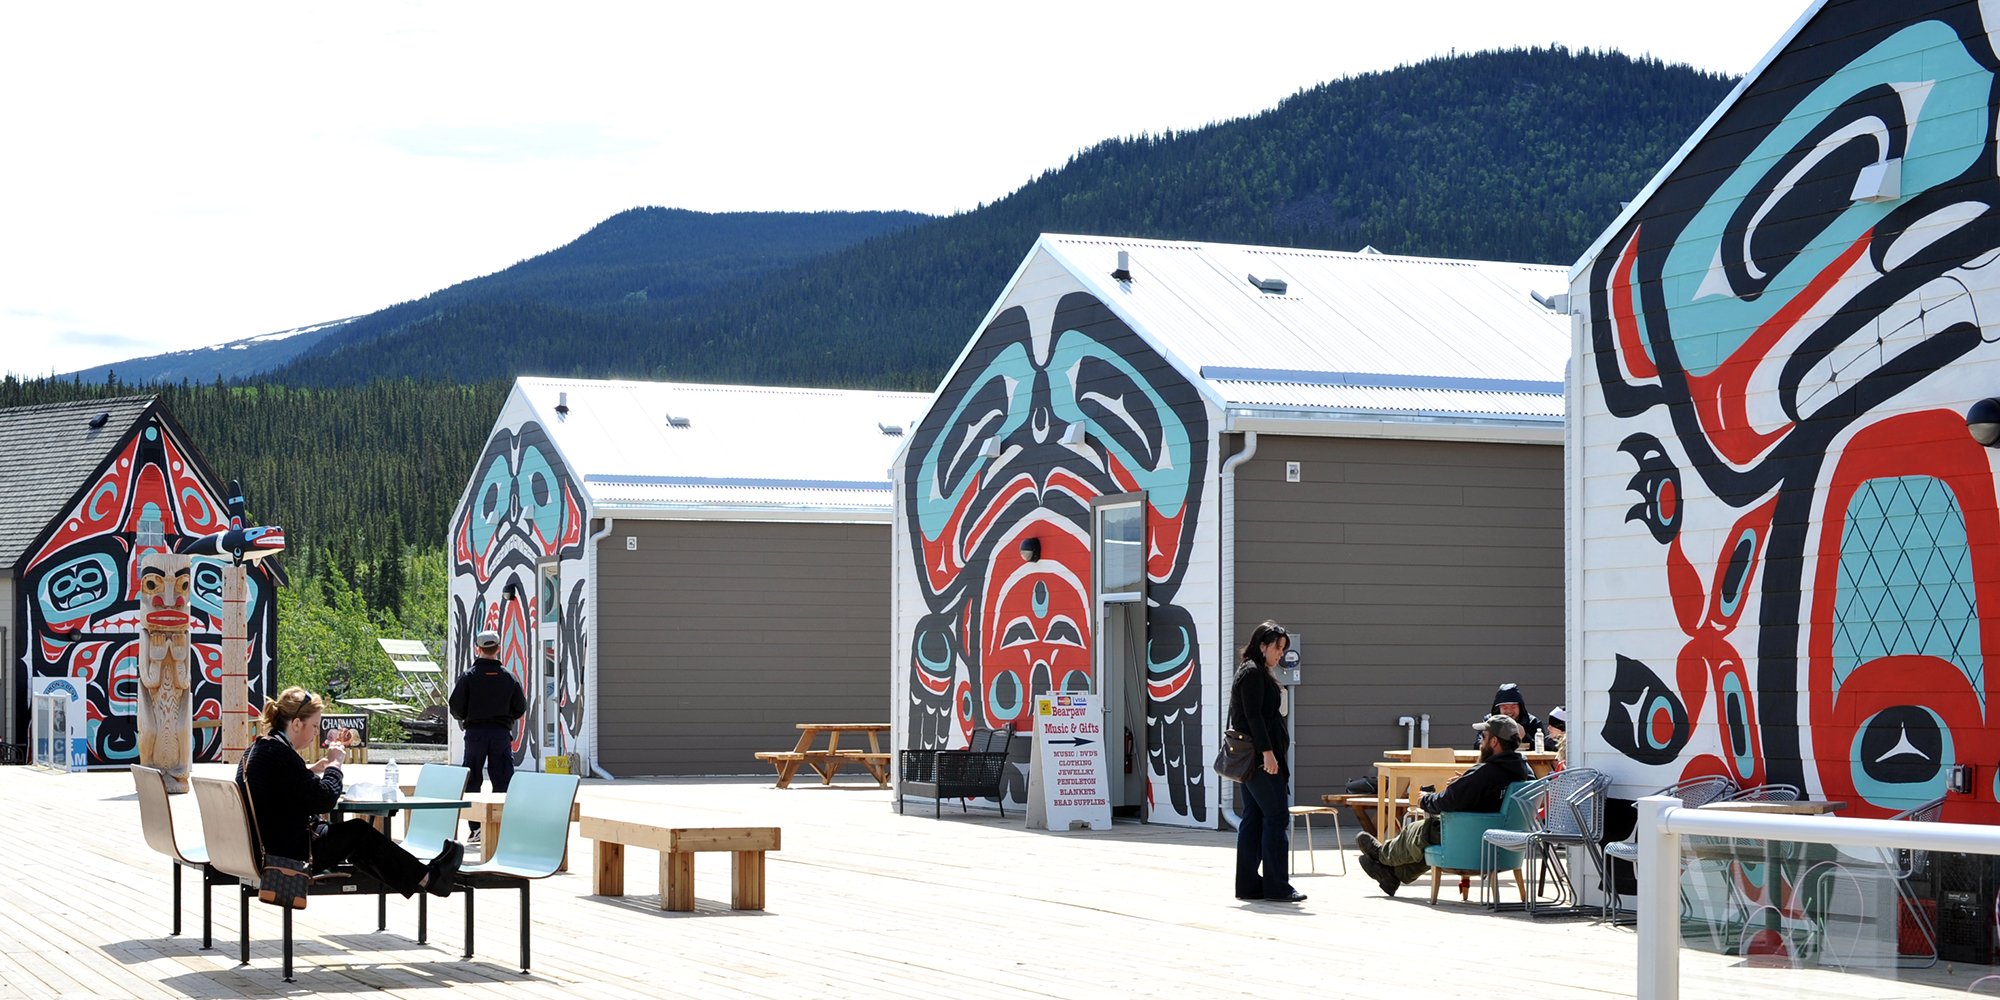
(166, 722)
(242, 545)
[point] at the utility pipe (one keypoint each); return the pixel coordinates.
(590, 580)
(1225, 797)
(1426, 724)
(1409, 725)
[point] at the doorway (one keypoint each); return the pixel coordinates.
(546, 729)
(1118, 544)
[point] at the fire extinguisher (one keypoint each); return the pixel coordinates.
(1128, 749)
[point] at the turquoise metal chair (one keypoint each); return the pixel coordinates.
(534, 832)
(1463, 850)
(428, 829)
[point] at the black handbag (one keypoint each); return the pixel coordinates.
(1237, 759)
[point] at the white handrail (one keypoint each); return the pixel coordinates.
(1663, 821)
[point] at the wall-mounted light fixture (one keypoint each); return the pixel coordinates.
(1073, 434)
(989, 448)
(1031, 550)
(1982, 421)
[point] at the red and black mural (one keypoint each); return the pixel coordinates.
(1785, 337)
(82, 585)
(517, 568)
(1040, 419)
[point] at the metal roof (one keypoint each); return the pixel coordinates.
(673, 448)
(1351, 335)
(47, 453)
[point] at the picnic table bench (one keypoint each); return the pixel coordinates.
(829, 760)
(677, 847)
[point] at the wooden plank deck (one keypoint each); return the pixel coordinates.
(862, 903)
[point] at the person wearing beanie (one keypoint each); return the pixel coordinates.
(1507, 701)
(1400, 860)
(1557, 726)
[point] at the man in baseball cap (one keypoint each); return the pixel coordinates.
(487, 701)
(1400, 861)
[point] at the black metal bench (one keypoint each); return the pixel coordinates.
(978, 771)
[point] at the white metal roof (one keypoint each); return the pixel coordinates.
(729, 450)
(1353, 335)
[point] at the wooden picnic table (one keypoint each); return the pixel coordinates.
(828, 760)
(1540, 761)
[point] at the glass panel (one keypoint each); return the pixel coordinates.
(551, 595)
(548, 706)
(1121, 553)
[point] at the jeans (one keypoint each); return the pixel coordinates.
(1264, 837)
(494, 750)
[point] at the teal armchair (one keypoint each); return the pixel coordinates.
(1463, 837)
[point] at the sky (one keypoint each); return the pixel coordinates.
(181, 175)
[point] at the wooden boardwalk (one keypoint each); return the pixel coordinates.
(862, 903)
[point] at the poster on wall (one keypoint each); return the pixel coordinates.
(1069, 779)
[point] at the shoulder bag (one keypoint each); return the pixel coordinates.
(1237, 759)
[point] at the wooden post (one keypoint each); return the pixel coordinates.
(239, 719)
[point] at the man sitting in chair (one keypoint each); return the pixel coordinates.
(1481, 789)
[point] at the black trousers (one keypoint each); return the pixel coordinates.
(494, 749)
(371, 851)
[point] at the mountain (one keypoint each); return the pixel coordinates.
(642, 255)
(234, 360)
(1515, 155)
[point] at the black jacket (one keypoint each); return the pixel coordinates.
(286, 797)
(1253, 710)
(1482, 789)
(487, 696)
(1529, 724)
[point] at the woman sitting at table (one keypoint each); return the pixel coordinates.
(287, 798)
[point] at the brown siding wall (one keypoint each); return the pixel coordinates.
(1420, 576)
(717, 637)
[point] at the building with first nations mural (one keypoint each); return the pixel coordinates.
(77, 481)
(679, 573)
(1149, 447)
(1785, 544)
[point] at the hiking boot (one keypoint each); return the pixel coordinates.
(1383, 875)
(1369, 847)
(444, 869)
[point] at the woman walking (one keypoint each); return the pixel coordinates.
(1259, 706)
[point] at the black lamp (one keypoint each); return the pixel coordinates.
(1982, 421)
(1031, 550)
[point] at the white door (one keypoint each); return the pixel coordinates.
(1118, 554)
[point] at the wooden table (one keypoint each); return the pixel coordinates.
(1393, 777)
(1540, 761)
(828, 760)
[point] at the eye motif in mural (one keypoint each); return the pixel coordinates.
(523, 514)
(87, 597)
(995, 464)
(1777, 333)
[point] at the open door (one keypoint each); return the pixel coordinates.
(1118, 548)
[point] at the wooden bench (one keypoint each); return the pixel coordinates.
(1362, 806)
(677, 847)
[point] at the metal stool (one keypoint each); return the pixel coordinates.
(1309, 812)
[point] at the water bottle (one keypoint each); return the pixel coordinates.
(391, 788)
(1538, 748)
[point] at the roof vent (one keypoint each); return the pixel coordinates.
(673, 421)
(1370, 250)
(1275, 286)
(562, 403)
(1124, 272)
(100, 420)
(892, 430)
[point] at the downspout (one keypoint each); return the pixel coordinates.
(1225, 669)
(590, 573)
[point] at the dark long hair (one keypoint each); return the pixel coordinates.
(1268, 631)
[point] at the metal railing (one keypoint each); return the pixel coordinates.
(1663, 821)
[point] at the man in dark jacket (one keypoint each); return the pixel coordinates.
(1508, 702)
(487, 701)
(1481, 789)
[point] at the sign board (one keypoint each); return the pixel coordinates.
(1070, 785)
